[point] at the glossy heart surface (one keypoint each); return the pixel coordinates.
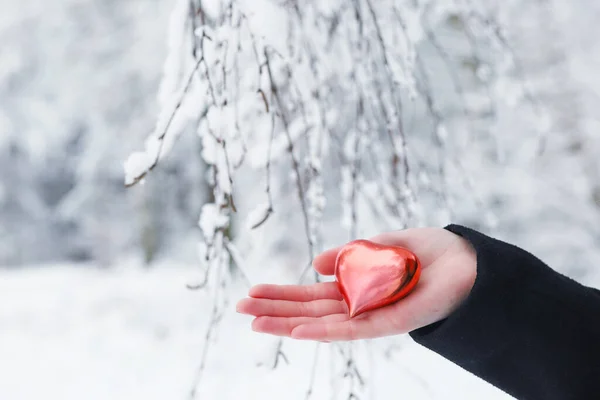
(371, 275)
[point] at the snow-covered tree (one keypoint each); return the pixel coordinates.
(321, 122)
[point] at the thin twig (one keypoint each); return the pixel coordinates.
(313, 373)
(268, 178)
(295, 163)
(279, 354)
(161, 137)
(397, 104)
(214, 321)
(237, 259)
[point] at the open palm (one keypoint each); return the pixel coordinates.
(318, 312)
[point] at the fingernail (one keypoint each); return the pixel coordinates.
(238, 308)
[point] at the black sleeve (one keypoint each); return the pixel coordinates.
(524, 328)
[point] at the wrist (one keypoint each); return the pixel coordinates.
(469, 269)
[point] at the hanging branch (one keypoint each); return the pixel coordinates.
(438, 119)
(279, 354)
(313, 373)
(215, 319)
(269, 209)
(444, 56)
(235, 255)
(350, 369)
(162, 135)
(294, 160)
(403, 156)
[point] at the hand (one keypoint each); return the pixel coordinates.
(318, 312)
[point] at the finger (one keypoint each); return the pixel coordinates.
(284, 308)
(333, 331)
(324, 263)
(283, 326)
(324, 290)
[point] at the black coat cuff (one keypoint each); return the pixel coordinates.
(524, 328)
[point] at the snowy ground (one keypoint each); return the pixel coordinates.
(71, 332)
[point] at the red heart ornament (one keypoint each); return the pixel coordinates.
(371, 275)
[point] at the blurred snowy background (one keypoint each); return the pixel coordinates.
(491, 109)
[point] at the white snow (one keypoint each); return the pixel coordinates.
(211, 220)
(136, 165)
(69, 332)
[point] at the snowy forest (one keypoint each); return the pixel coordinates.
(159, 157)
